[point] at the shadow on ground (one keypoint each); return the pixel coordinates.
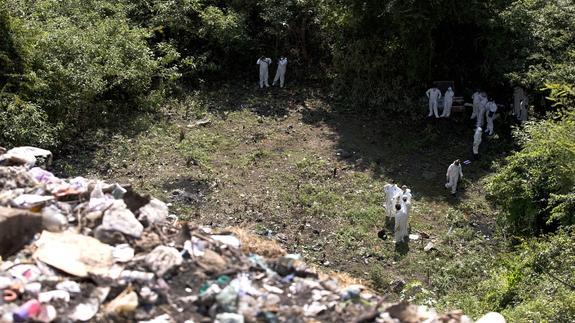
(394, 148)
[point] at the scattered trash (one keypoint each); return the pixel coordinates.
(201, 122)
(414, 236)
(429, 246)
(123, 253)
(74, 254)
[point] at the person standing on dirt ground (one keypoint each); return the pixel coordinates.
(264, 62)
(400, 223)
(447, 103)
(481, 109)
(391, 193)
(476, 97)
(406, 192)
(476, 142)
(454, 174)
(433, 94)
(281, 71)
(491, 109)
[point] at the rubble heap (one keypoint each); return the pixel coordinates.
(83, 250)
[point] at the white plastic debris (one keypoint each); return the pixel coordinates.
(119, 218)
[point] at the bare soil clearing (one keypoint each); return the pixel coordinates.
(285, 164)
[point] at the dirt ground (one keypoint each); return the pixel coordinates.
(284, 163)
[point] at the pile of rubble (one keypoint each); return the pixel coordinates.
(83, 250)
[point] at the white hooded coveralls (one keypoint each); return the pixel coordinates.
(477, 140)
(392, 194)
(476, 99)
(491, 108)
(401, 223)
(281, 71)
(447, 102)
(481, 110)
(434, 95)
(454, 173)
(264, 63)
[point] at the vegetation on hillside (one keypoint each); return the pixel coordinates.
(73, 72)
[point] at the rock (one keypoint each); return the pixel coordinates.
(212, 261)
(17, 227)
(109, 236)
(404, 312)
(119, 218)
(163, 259)
(429, 246)
(154, 212)
(491, 317)
(123, 304)
(25, 156)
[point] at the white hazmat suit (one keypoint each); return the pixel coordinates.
(392, 193)
(433, 95)
(477, 141)
(476, 99)
(481, 110)
(281, 71)
(447, 102)
(454, 173)
(491, 109)
(264, 62)
(401, 223)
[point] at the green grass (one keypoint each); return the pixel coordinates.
(268, 179)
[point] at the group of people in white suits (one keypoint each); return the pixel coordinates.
(264, 63)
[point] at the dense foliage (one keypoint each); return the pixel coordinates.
(531, 284)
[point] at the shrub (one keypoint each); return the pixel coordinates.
(24, 123)
(536, 185)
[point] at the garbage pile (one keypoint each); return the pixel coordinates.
(78, 250)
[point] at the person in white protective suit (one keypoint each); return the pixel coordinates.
(476, 142)
(454, 173)
(281, 71)
(406, 192)
(476, 97)
(481, 109)
(401, 219)
(392, 192)
(491, 109)
(523, 114)
(447, 102)
(264, 62)
(433, 94)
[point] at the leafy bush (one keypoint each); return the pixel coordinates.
(536, 186)
(23, 123)
(531, 284)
